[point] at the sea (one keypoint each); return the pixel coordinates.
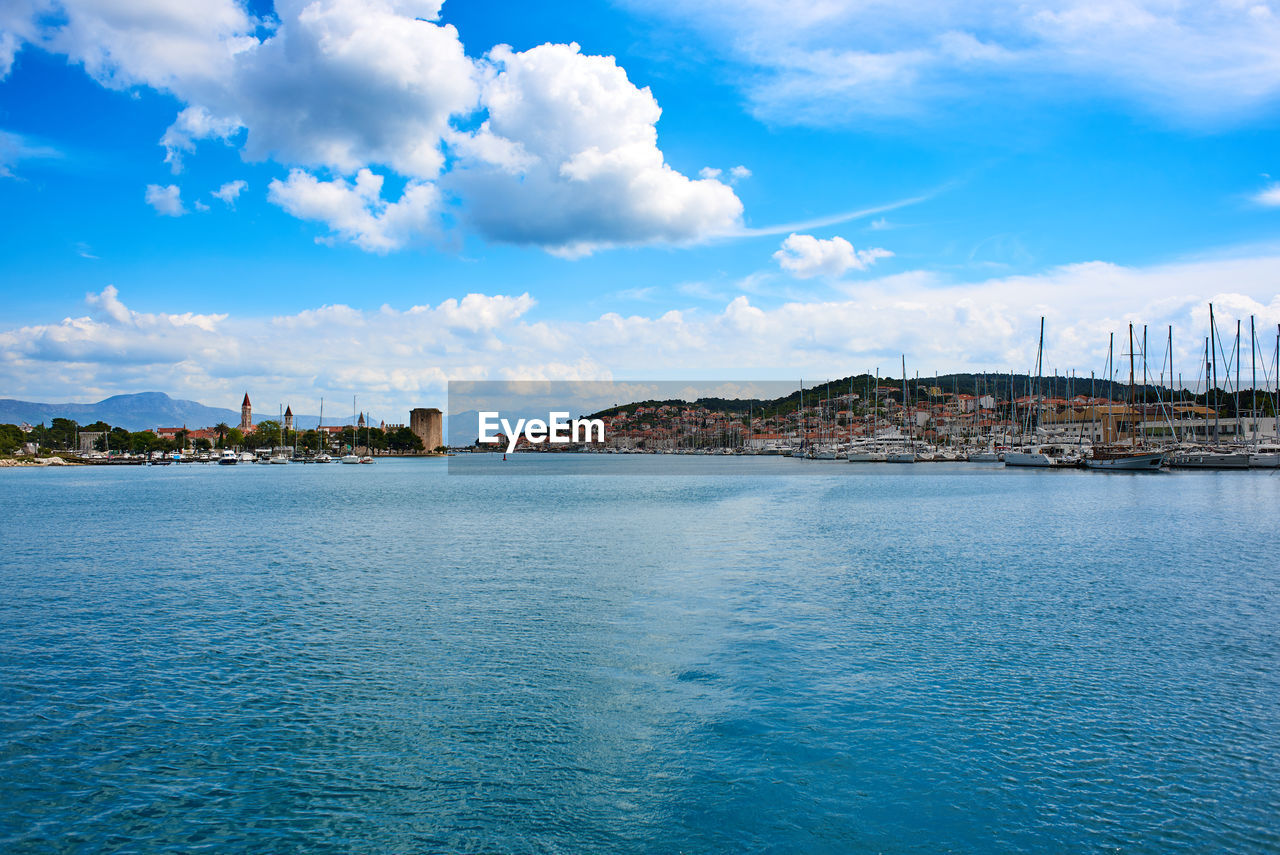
(752, 655)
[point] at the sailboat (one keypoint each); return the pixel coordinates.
(1036, 456)
(368, 440)
(351, 456)
(907, 454)
(323, 456)
(868, 450)
(1117, 458)
(279, 457)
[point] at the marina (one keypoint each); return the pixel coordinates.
(780, 661)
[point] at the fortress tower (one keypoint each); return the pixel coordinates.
(246, 415)
(427, 424)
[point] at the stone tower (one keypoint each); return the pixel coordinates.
(246, 415)
(427, 423)
(288, 418)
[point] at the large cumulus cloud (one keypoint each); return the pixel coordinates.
(554, 148)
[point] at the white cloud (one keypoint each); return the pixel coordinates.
(10, 44)
(345, 84)
(739, 173)
(166, 200)
(565, 157)
(709, 172)
(194, 123)
(805, 256)
(356, 212)
(182, 48)
(399, 358)
(843, 60)
(578, 165)
(1269, 195)
(15, 148)
(231, 191)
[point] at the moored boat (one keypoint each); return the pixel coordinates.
(1124, 460)
(1209, 459)
(1039, 457)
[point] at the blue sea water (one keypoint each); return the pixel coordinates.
(865, 658)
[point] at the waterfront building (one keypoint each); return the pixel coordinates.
(87, 440)
(427, 423)
(246, 415)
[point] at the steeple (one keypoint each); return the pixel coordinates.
(246, 415)
(288, 418)
(360, 423)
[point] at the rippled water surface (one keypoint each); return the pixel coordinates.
(873, 658)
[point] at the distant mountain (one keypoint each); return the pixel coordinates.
(142, 411)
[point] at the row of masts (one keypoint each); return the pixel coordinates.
(1168, 387)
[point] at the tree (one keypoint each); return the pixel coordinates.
(222, 428)
(118, 440)
(234, 438)
(62, 433)
(403, 440)
(202, 444)
(11, 438)
(144, 442)
(265, 435)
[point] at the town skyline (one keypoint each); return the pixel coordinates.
(618, 190)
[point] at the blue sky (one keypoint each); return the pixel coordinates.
(1097, 163)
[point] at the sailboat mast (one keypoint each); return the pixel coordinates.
(1111, 376)
(904, 399)
(1172, 390)
(1237, 389)
(1093, 405)
(1144, 383)
(1213, 373)
(1133, 432)
(1253, 380)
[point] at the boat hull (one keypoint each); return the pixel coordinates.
(1031, 459)
(1127, 463)
(1209, 460)
(1264, 461)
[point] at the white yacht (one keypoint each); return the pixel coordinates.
(1039, 457)
(1265, 457)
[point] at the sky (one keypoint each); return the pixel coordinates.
(327, 198)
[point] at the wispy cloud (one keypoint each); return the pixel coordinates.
(16, 148)
(1269, 195)
(843, 62)
(832, 219)
(396, 358)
